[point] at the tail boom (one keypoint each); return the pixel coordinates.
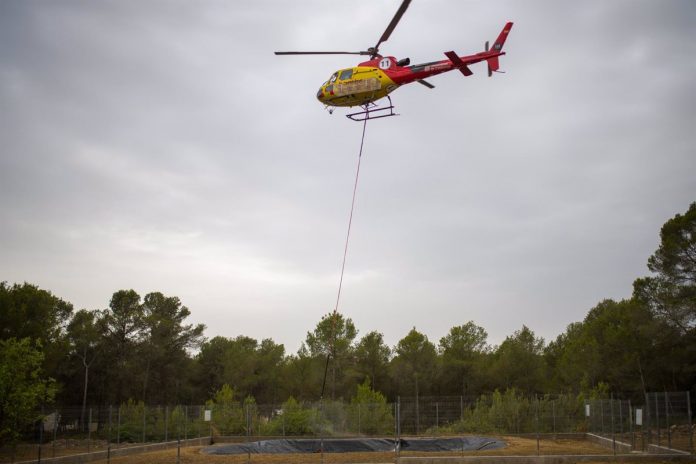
(407, 74)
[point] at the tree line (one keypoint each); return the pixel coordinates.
(143, 349)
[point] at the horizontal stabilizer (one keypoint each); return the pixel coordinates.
(458, 63)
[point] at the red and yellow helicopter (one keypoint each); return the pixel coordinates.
(376, 78)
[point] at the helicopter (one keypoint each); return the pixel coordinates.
(376, 78)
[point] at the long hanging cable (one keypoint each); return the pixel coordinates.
(350, 218)
(345, 254)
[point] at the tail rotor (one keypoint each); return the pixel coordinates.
(490, 71)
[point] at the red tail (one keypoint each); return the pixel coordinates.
(493, 65)
(500, 41)
(493, 62)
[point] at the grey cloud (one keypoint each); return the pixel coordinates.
(161, 146)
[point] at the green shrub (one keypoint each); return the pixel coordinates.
(369, 412)
(227, 413)
(293, 420)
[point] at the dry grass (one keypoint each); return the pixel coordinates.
(25, 452)
(59, 448)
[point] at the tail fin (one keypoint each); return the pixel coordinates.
(500, 41)
(493, 62)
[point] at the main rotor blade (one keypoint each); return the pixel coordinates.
(395, 20)
(322, 53)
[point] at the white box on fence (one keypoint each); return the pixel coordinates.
(51, 421)
(639, 416)
(207, 416)
(587, 410)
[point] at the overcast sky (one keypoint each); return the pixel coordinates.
(161, 146)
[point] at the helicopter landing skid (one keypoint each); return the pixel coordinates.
(373, 111)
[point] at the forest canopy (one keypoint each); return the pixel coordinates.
(143, 348)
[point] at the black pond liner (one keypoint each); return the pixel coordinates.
(356, 445)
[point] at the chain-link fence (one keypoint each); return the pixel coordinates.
(668, 421)
(612, 422)
(502, 413)
(660, 424)
(74, 430)
(548, 424)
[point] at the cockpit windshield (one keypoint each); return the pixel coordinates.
(346, 74)
(333, 78)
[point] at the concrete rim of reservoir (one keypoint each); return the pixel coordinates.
(356, 445)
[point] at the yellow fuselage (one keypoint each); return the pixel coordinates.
(355, 86)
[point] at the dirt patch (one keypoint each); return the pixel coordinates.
(194, 455)
(528, 446)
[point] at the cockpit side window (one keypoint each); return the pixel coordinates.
(346, 74)
(333, 78)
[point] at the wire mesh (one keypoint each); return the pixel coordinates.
(660, 423)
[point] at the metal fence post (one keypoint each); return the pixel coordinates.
(417, 415)
(461, 408)
(55, 431)
(657, 419)
(199, 423)
(321, 429)
(166, 423)
(688, 413)
(396, 426)
(144, 409)
(669, 432)
(437, 418)
(613, 436)
(108, 443)
(537, 424)
(630, 426)
(89, 432)
(398, 429)
(553, 414)
(178, 435)
(41, 432)
(247, 433)
(118, 428)
(646, 423)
